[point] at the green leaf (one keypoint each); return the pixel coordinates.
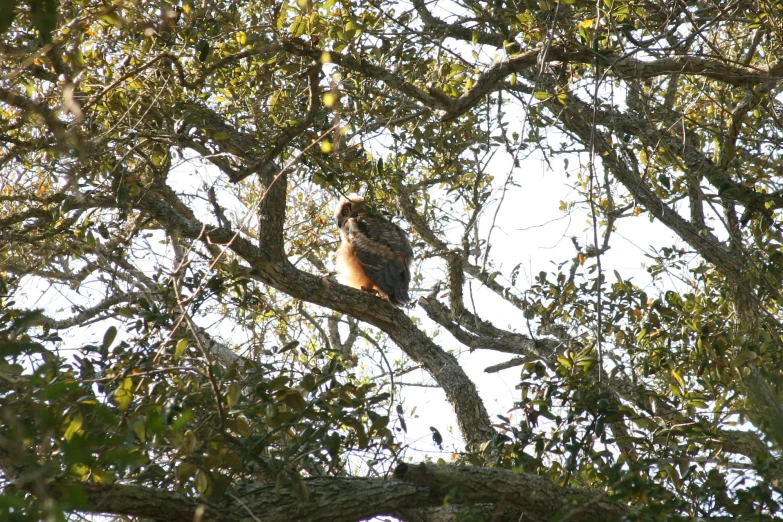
(234, 394)
(180, 348)
(289, 346)
(74, 426)
(294, 399)
(108, 337)
(278, 382)
(679, 379)
(241, 426)
(203, 482)
(308, 382)
(203, 48)
(140, 429)
(185, 470)
(123, 396)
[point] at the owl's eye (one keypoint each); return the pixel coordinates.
(346, 210)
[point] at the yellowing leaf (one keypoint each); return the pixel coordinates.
(102, 477)
(73, 427)
(80, 469)
(234, 393)
(679, 379)
(329, 100)
(182, 345)
(123, 396)
(202, 482)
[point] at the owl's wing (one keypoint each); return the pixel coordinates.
(385, 254)
(387, 234)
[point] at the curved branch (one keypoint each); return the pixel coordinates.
(702, 240)
(346, 499)
(328, 498)
(270, 268)
(421, 227)
(88, 313)
(477, 333)
(624, 66)
(542, 499)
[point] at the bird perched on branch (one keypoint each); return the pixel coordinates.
(375, 254)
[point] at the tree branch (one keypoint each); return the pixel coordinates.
(267, 266)
(541, 500)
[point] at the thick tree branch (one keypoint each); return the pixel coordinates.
(703, 241)
(236, 144)
(475, 333)
(267, 266)
(537, 497)
(335, 499)
(329, 498)
(770, 412)
(625, 67)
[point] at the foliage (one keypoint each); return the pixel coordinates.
(171, 328)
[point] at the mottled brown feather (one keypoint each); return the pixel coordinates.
(375, 254)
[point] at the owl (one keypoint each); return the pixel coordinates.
(375, 254)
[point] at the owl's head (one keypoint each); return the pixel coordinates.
(350, 206)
